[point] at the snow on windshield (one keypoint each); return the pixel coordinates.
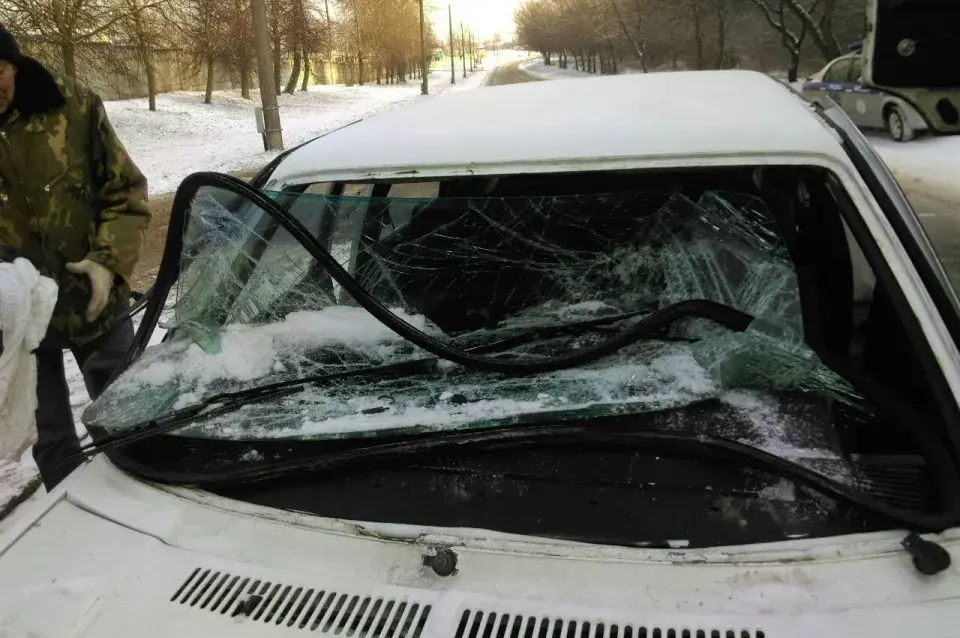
(524, 278)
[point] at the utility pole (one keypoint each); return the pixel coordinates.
(463, 50)
(424, 70)
(453, 59)
(272, 134)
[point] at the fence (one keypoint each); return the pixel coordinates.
(115, 73)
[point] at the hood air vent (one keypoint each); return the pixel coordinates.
(321, 610)
(477, 624)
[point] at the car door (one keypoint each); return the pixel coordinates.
(863, 104)
(817, 85)
(912, 44)
(836, 82)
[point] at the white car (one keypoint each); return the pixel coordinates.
(665, 356)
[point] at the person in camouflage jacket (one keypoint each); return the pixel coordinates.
(73, 203)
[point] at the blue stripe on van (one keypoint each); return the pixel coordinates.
(840, 87)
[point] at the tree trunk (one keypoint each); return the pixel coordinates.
(69, 53)
(826, 27)
(697, 33)
(721, 38)
(613, 60)
(822, 30)
(306, 71)
(360, 69)
(151, 77)
(626, 32)
(294, 74)
(793, 69)
(277, 68)
(276, 44)
(208, 93)
(245, 79)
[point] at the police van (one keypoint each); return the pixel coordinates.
(896, 79)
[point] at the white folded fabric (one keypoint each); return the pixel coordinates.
(26, 305)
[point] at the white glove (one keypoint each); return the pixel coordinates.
(101, 282)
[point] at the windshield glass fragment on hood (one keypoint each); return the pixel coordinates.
(254, 308)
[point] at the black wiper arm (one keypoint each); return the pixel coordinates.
(590, 433)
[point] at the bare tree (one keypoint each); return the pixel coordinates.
(68, 24)
(201, 28)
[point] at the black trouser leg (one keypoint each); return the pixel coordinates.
(99, 359)
(56, 431)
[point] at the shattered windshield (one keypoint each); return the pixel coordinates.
(519, 277)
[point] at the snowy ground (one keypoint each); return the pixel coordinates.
(934, 161)
(184, 135)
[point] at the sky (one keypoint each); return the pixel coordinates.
(485, 16)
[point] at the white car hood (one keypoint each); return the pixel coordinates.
(106, 555)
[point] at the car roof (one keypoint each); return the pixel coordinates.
(679, 118)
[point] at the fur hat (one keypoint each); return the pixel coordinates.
(9, 50)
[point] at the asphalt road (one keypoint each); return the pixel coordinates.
(509, 74)
(939, 211)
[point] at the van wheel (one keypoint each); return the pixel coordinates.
(897, 125)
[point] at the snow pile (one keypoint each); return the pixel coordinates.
(18, 478)
(184, 135)
(249, 352)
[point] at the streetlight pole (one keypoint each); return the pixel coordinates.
(453, 59)
(424, 71)
(273, 136)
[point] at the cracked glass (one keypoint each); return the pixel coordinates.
(518, 278)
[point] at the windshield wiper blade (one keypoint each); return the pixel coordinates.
(573, 328)
(219, 404)
(595, 432)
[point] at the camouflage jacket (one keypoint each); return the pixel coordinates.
(69, 192)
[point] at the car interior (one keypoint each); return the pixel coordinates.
(849, 317)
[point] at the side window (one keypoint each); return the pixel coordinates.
(406, 199)
(415, 190)
(839, 72)
(856, 70)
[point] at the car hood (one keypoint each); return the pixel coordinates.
(107, 555)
